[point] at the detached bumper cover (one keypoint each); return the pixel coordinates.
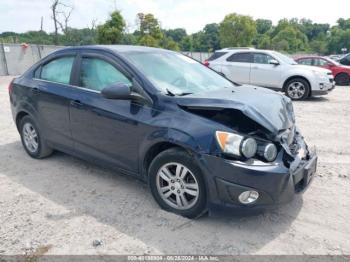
(275, 183)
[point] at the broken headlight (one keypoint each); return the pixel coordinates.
(268, 151)
(236, 145)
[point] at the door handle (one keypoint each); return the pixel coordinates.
(35, 90)
(255, 67)
(76, 103)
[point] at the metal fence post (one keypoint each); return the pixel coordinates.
(3, 59)
(39, 52)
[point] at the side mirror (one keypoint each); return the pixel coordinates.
(273, 62)
(330, 64)
(117, 91)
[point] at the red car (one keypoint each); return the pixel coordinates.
(340, 72)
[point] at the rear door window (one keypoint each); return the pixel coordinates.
(240, 58)
(58, 70)
(216, 55)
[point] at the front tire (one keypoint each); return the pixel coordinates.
(177, 183)
(342, 79)
(297, 89)
(32, 141)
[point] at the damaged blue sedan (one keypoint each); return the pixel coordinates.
(201, 142)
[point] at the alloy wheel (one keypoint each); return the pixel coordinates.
(296, 90)
(177, 186)
(30, 137)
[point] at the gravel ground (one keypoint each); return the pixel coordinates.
(62, 205)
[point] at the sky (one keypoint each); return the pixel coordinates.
(193, 15)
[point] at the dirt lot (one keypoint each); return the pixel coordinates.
(61, 205)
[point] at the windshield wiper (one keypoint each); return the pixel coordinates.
(169, 93)
(184, 94)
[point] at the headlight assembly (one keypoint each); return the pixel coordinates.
(270, 152)
(247, 147)
(236, 145)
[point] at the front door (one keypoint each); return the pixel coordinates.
(263, 73)
(103, 128)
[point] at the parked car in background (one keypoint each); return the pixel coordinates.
(273, 70)
(198, 140)
(345, 60)
(335, 57)
(340, 72)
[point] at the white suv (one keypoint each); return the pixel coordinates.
(273, 70)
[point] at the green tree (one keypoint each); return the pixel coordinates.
(169, 43)
(237, 30)
(339, 39)
(263, 26)
(186, 44)
(344, 24)
(211, 37)
(149, 31)
(176, 34)
(112, 31)
(296, 40)
(264, 42)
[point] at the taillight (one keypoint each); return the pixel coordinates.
(206, 63)
(10, 87)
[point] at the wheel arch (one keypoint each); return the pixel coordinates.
(342, 73)
(154, 150)
(20, 116)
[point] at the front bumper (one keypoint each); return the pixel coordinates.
(324, 88)
(275, 182)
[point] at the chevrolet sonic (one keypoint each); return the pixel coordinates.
(201, 142)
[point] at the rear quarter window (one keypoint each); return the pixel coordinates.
(241, 58)
(216, 55)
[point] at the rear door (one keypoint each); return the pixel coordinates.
(263, 73)
(237, 67)
(105, 129)
(52, 91)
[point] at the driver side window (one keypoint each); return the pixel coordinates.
(96, 74)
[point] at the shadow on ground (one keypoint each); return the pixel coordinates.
(125, 204)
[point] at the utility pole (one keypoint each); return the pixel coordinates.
(42, 23)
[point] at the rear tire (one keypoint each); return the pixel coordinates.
(32, 141)
(177, 183)
(297, 89)
(342, 79)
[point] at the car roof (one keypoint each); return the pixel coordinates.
(115, 48)
(310, 56)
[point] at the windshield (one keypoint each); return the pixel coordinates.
(176, 74)
(332, 61)
(284, 58)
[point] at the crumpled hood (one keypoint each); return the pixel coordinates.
(270, 109)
